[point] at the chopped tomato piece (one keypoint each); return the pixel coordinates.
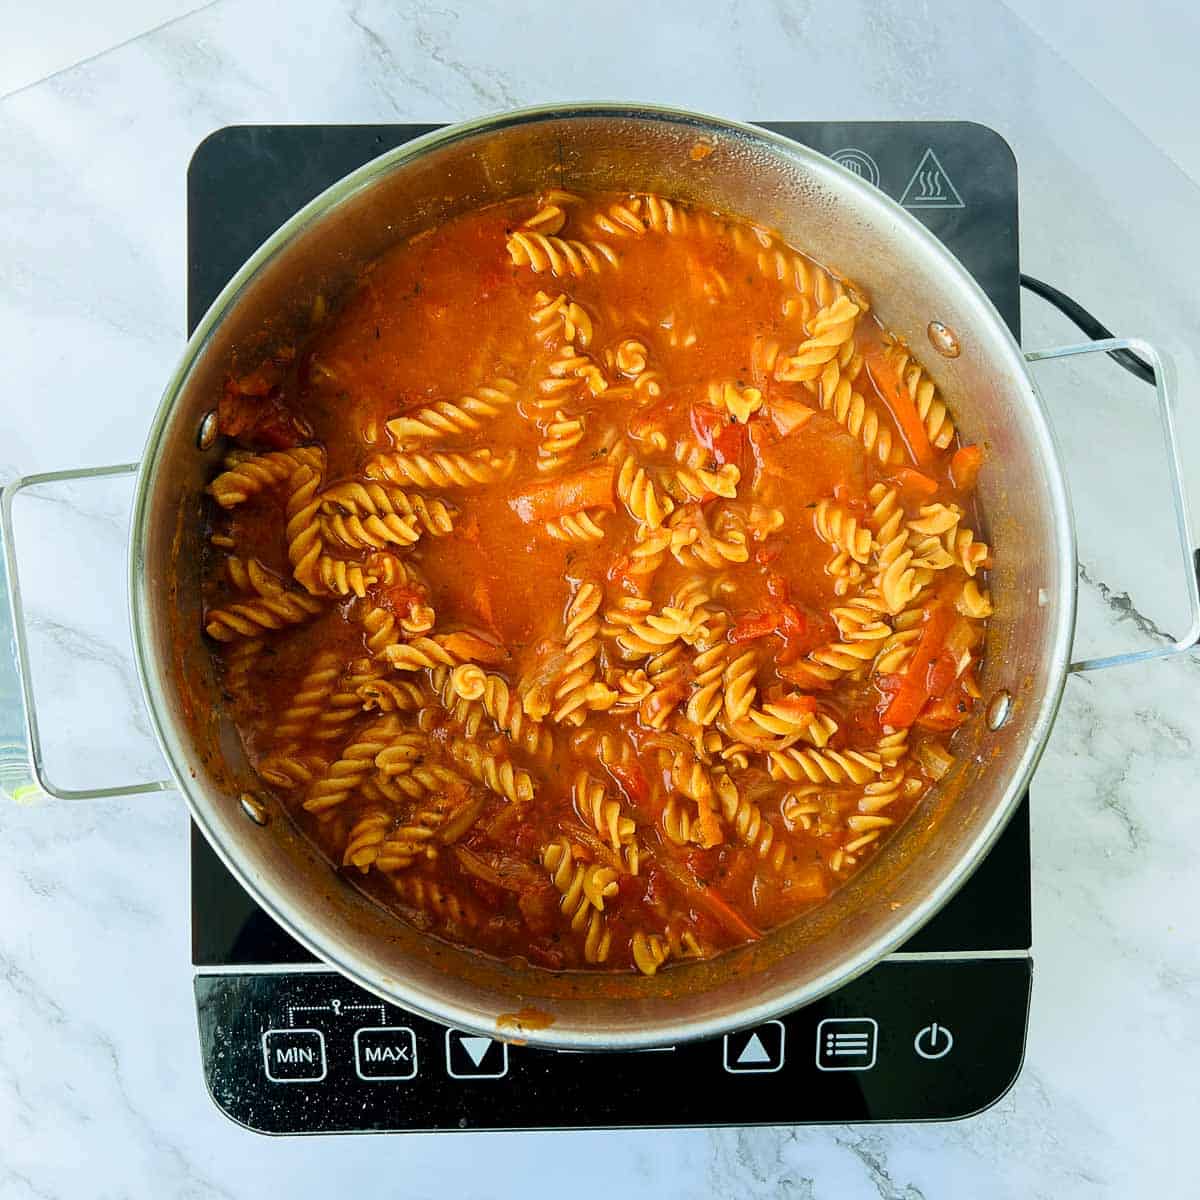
(546, 499)
(258, 420)
(730, 445)
(723, 438)
(964, 467)
(777, 586)
(947, 713)
(916, 482)
(631, 780)
(789, 415)
(753, 626)
(802, 676)
(942, 674)
(711, 833)
(481, 594)
(707, 423)
(401, 597)
(796, 707)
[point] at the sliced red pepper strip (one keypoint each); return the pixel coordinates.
(900, 404)
(964, 467)
(710, 900)
(913, 692)
(547, 499)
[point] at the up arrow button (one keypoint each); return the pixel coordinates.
(757, 1051)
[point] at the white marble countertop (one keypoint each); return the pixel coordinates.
(100, 1085)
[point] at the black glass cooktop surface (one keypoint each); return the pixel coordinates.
(936, 1031)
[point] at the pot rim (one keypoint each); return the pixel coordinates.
(426, 1002)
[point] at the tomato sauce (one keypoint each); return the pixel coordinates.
(594, 585)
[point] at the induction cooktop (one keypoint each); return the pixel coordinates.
(936, 1031)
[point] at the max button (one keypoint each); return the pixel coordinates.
(385, 1052)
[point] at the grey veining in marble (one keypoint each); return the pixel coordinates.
(100, 1086)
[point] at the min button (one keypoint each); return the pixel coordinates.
(294, 1055)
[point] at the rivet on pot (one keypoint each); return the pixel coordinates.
(944, 340)
(999, 709)
(254, 808)
(207, 434)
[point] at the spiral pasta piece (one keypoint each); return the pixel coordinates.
(239, 662)
(248, 475)
(838, 527)
(485, 766)
(974, 601)
(934, 415)
(418, 654)
(649, 951)
(442, 470)
(741, 403)
(693, 481)
(273, 608)
(560, 318)
(401, 754)
(289, 768)
(581, 646)
(434, 516)
(310, 697)
(303, 529)
(371, 532)
(831, 329)
(621, 219)
(745, 820)
(584, 890)
(738, 683)
(708, 673)
(561, 437)
(848, 407)
(390, 695)
(603, 814)
(560, 256)
(351, 768)
(824, 766)
(453, 419)
(639, 495)
(587, 525)
(366, 836)
(436, 901)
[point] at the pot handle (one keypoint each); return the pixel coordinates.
(1166, 418)
(23, 776)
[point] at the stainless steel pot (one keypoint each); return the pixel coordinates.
(913, 281)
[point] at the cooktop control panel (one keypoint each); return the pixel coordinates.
(910, 1040)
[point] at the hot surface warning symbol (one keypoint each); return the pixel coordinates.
(930, 186)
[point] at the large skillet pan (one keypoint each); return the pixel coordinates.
(918, 289)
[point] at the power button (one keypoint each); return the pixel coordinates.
(933, 1041)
